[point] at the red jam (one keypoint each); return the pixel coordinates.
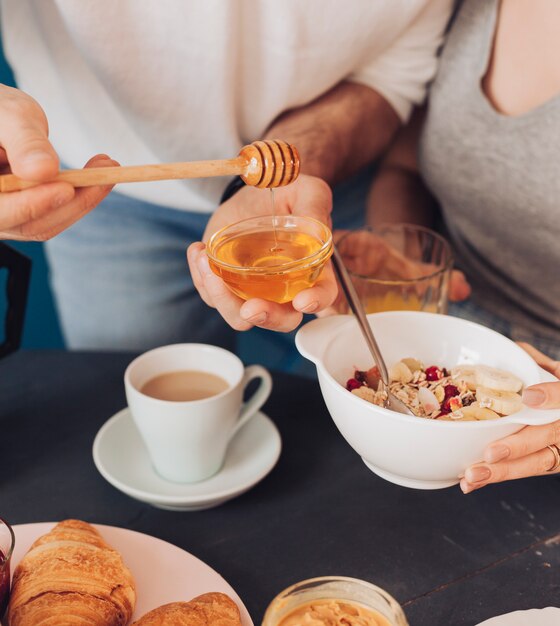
(4, 583)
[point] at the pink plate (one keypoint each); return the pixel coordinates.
(163, 572)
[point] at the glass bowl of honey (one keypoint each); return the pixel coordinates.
(334, 600)
(273, 257)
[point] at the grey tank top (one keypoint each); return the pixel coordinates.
(497, 179)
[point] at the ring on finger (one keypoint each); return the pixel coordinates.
(556, 451)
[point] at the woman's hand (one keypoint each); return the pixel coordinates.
(40, 212)
(534, 450)
(309, 196)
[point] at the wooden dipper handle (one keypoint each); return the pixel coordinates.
(260, 164)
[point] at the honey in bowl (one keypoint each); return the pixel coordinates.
(270, 257)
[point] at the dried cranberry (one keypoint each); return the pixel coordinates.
(373, 377)
(352, 383)
(450, 391)
(433, 373)
(360, 376)
(451, 404)
(445, 408)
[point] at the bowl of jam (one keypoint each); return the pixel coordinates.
(7, 542)
(272, 257)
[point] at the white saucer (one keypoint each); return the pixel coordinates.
(533, 617)
(122, 459)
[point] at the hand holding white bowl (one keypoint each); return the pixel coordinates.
(532, 451)
(405, 449)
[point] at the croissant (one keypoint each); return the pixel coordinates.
(209, 609)
(71, 577)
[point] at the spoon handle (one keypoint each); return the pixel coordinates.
(358, 310)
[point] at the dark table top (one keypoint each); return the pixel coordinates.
(449, 559)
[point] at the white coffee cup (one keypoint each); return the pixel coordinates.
(187, 441)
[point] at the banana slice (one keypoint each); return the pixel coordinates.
(472, 413)
(503, 402)
(413, 364)
(479, 413)
(493, 378)
(400, 373)
(365, 393)
(466, 373)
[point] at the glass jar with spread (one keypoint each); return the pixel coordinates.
(334, 600)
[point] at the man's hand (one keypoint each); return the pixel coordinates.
(309, 196)
(40, 212)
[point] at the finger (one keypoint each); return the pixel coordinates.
(542, 396)
(313, 201)
(528, 440)
(194, 251)
(320, 296)
(220, 297)
(61, 218)
(339, 234)
(536, 464)
(24, 137)
(550, 365)
(271, 315)
(459, 288)
(23, 207)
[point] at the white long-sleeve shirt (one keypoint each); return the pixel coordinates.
(149, 81)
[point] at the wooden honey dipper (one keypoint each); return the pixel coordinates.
(269, 163)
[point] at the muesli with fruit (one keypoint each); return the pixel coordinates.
(463, 393)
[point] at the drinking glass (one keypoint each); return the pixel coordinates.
(398, 267)
(7, 541)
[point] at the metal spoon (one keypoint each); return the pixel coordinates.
(392, 402)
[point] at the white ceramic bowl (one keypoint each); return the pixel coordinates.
(408, 450)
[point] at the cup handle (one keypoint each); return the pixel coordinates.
(249, 409)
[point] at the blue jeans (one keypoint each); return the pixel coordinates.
(469, 310)
(121, 282)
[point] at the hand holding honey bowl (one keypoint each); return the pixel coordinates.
(269, 288)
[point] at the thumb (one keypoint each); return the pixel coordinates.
(543, 396)
(24, 136)
(309, 196)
